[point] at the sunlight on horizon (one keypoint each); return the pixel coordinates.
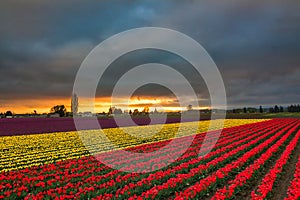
(162, 104)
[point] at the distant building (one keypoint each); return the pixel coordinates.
(86, 114)
(54, 115)
(101, 115)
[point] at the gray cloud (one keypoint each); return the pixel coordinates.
(255, 44)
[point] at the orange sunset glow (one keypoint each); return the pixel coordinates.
(166, 104)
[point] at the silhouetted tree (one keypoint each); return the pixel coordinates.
(261, 109)
(251, 110)
(135, 112)
(60, 109)
(276, 109)
(189, 107)
(117, 111)
(110, 111)
(293, 108)
(290, 108)
(271, 110)
(280, 109)
(245, 110)
(130, 112)
(8, 113)
(146, 110)
(114, 110)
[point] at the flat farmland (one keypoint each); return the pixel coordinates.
(252, 159)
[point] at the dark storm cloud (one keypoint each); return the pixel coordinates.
(43, 43)
(255, 44)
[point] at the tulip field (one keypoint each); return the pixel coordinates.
(252, 159)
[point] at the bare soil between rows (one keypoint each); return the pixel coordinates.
(280, 189)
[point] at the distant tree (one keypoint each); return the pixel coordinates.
(251, 110)
(130, 112)
(8, 113)
(281, 109)
(69, 114)
(146, 110)
(276, 109)
(111, 110)
(117, 111)
(291, 108)
(60, 109)
(245, 110)
(34, 112)
(189, 107)
(294, 108)
(135, 112)
(261, 110)
(271, 110)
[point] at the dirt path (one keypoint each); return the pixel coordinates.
(280, 189)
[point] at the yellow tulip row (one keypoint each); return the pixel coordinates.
(18, 152)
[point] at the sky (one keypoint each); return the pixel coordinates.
(254, 43)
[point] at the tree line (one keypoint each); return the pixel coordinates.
(273, 109)
(62, 111)
(293, 108)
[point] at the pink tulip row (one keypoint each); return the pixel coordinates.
(28, 126)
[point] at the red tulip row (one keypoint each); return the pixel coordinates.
(221, 148)
(44, 174)
(156, 176)
(173, 182)
(158, 159)
(66, 164)
(87, 178)
(294, 188)
(267, 183)
(221, 173)
(126, 187)
(242, 178)
(117, 158)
